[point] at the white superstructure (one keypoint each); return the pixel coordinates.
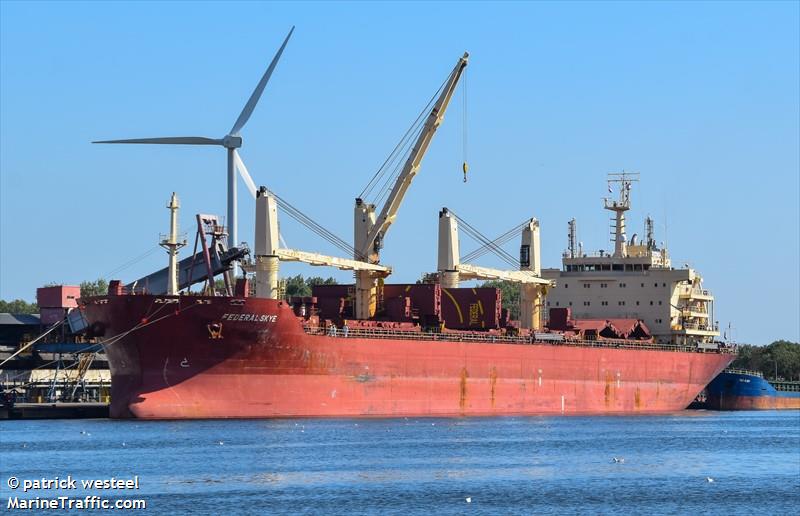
(636, 280)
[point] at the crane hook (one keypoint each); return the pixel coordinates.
(465, 167)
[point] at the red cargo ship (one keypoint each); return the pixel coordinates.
(371, 349)
(244, 357)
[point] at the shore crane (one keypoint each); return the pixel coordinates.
(369, 229)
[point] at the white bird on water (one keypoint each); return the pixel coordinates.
(618, 460)
(709, 479)
(221, 443)
(469, 499)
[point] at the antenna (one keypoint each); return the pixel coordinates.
(572, 235)
(649, 233)
(624, 180)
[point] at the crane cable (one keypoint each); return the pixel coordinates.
(464, 165)
(499, 241)
(401, 149)
(479, 237)
(314, 226)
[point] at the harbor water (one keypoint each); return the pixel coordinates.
(684, 463)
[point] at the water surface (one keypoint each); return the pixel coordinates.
(512, 465)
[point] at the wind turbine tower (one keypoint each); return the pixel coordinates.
(231, 142)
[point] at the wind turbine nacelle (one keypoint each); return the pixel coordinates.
(232, 142)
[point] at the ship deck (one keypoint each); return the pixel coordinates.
(484, 338)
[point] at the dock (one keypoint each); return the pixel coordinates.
(54, 411)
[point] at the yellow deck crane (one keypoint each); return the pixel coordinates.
(369, 229)
(533, 287)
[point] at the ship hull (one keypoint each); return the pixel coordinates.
(740, 391)
(193, 357)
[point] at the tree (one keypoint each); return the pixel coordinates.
(297, 286)
(781, 357)
(510, 292)
(18, 306)
(99, 287)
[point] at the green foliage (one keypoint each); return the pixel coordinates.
(510, 292)
(781, 355)
(99, 287)
(18, 306)
(297, 286)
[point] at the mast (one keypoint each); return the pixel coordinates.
(171, 244)
(449, 252)
(369, 230)
(619, 207)
(266, 245)
(531, 294)
(572, 235)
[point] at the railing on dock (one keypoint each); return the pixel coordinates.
(539, 339)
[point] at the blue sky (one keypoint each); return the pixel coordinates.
(701, 98)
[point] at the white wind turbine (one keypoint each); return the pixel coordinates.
(230, 141)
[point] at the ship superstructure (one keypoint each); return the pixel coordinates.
(636, 280)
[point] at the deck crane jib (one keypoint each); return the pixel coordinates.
(370, 229)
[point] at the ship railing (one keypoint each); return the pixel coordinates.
(785, 385)
(691, 291)
(733, 370)
(382, 333)
(695, 326)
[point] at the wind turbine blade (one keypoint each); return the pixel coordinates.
(170, 140)
(251, 186)
(251, 103)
